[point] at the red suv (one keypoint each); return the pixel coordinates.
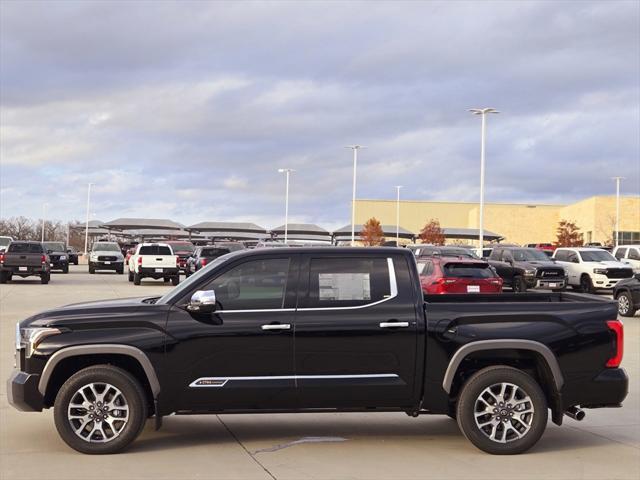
(457, 275)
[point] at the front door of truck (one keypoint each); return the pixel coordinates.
(356, 332)
(240, 356)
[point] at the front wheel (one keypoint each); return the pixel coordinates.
(100, 410)
(625, 305)
(65, 268)
(92, 269)
(519, 285)
(502, 410)
(586, 286)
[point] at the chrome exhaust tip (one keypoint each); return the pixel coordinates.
(576, 413)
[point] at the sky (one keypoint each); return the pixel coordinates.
(187, 110)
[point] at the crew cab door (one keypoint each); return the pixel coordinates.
(240, 356)
(356, 332)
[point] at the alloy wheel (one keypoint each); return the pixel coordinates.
(504, 412)
(98, 412)
(623, 305)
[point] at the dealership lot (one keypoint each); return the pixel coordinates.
(605, 445)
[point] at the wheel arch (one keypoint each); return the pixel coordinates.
(72, 359)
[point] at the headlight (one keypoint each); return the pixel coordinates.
(30, 338)
(600, 271)
(63, 257)
(530, 271)
(93, 256)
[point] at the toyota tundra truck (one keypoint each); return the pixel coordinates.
(154, 260)
(320, 330)
(24, 259)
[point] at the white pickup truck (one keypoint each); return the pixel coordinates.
(154, 260)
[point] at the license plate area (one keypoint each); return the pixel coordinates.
(23, 269)
(473, 288)
(159, 270)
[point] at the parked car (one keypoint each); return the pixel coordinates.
(183, 250)
(4, 243)
(106, 256)
(524, 268)
(24, 259)
(440, 275)
(72, 254)
(206, 254)
(319, 329)
(629, 254)
(590, 269)
(627, 293)
(550, 247)
(443, 251)
(58, 258)
(154, 260)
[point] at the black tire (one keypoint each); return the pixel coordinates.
(130, 276)
(165, 279)
(175, 280)
(4, 277)
(130, 390)
(586, 286)
(120, 270)
(625, 305)
(518, 284)
(44, 278)
(75, 262)
(92, 269)
(136, 279)
(467, 407)
(65, 268)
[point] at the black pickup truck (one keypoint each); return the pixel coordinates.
(316, 330)
(24, 259)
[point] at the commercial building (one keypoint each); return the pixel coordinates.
(515, 222)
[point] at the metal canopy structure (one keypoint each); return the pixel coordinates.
(96, 228)
(160, 234)
(229, 230)
(344, 234)
(302, 232)
(470, 234)
(125, 224)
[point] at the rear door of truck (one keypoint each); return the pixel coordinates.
(356, 331)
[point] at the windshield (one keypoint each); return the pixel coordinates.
(456, 252)
(597, 256)
(182, 247)
(55, 246)
(105, 247)
(4, 241)
(177, 292)
(525, 255)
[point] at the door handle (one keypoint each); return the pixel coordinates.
(277, 326)
(394, 324)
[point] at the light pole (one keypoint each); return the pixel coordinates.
(483, 112)
(44, 215)
(86, 226)
(286, 171)
(617, 179)
(355, 149)
(398, 187)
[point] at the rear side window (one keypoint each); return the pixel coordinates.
(467, 270)
(620, 253)
(214, 252)
(495, 254)
(634, 254)
(155, 250)
(25, 248)
(346, 282)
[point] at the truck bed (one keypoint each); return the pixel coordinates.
(550, 297)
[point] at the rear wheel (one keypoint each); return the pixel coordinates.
(130, 276)
(4, 277)
(502, 410)
(100, 409)
(625, 305)
(585, 284)
(519, 285)
(136, 279)
(175, 280)
(165, 279)
(44, 278)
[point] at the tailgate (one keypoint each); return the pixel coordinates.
(22, 259)
(159, 261)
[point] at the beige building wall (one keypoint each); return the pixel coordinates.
(518, 223)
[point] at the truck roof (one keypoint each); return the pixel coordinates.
(379, 251)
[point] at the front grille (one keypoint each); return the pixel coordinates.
(54, 258)
(107, 258)
(550, 273)
(619, 273)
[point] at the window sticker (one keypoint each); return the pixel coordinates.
(344, 286)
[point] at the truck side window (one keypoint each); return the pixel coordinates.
(253, 285)
(346, 282)
(634, 254)
(573, 258)
(620, 253)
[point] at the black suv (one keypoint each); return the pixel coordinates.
(58, 256)
(627, 293)
(206, 254)
(523, 268)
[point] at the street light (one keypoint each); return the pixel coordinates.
(483, 112)
(355, 149)
(86, 226)
(617, 179)
(44, 214)
(287, 171)
(398, 187)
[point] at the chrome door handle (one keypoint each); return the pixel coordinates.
(279, 326)
(394, 324)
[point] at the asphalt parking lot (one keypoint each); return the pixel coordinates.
(606, 445)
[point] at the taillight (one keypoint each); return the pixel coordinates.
(1, 257)
(203, 261)
(43, 259)
(443, 284)
(139, 260)
(618, 329)
(177, 261)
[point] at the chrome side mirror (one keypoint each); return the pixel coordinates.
(202, 301)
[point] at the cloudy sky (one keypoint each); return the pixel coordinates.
(187, 110)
